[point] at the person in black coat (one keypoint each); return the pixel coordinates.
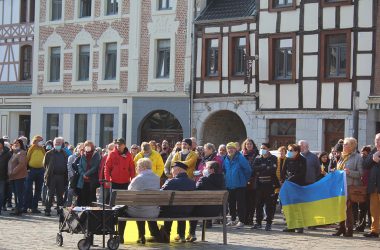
(5, 155)
(372, 162)
(180, 182)
(294, 170)
(264, 169)
(212, 180)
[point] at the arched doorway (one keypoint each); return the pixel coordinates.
(222, 127)
(161, 125)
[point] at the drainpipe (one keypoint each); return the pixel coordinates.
(192, 76)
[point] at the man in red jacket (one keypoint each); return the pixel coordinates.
(120, 170)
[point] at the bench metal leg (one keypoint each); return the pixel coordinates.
(204, 231)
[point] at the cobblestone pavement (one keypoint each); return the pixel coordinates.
(39, 232)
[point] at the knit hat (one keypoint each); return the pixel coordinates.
(231, 145)
(120, 141)
(188, 141)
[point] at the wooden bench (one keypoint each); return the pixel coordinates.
(173, 198)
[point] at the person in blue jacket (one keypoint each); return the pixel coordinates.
(237, 173)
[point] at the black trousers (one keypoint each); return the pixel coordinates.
(251, 205)
(121, 224)
(56, 187)
(87, 195)
(237, 198)
(265, 196)
(153, 228)
(180, 230)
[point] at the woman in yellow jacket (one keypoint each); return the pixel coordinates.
(154, 156)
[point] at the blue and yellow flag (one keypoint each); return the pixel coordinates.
(320, 203)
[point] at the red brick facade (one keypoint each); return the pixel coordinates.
(377, 58)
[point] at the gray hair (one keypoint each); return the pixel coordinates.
(210, 146)
(304, 142)
(144, 163)
(58, 139)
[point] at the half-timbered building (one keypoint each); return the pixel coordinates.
(16, 50)
(309, 73)
(112, 68)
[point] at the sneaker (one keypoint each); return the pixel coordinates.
(239, 225)
(141, 240)
(191, 238)
(268, 227)
(231, 223)
(179, 239)
(256, 226)
(371, 235)
(299, 230)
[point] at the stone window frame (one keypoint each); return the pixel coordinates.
(156, 11)
(82, 38)
(23, 50)
(272, 60)
(103, 10)
(323, 47)
(49, 13)
(78, 18)
(158, 50)
(54, 40)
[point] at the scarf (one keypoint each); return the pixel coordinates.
(208, 158)
(342, 161)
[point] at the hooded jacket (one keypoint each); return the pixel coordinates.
(237, 171)
(119, 168)
(157, 162)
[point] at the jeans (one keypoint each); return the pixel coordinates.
(18, 189)
(2, 193)
(36, 176)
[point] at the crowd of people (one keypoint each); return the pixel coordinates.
(57, 172)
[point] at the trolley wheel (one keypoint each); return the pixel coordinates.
(84, 244)
(59, 240)
(113, 243)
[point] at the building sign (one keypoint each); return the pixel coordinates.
(248, 69)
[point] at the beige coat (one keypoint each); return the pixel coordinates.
(17, 166)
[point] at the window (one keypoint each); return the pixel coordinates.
(85, 8)
(282, 58)
(112, 7)
(212, 57)
(80, 128)
(335, 55)
(56, 10)
(281, 5)
(26, 63)
(84, 63)
(165, 4)
(106, 129)
(238, 50)
(282, 132)
(55, 64)
(163, 58)
(334, 130)
(26, 11)
(111, 59)
(52, 126)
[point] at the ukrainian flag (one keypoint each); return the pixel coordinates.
(320, 203)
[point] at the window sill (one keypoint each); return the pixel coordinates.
(108, 84)
(211, 78)
(284, 81)
(78, 85)
(163, 12)
(335, 79)
(53, 86)
(334, 4)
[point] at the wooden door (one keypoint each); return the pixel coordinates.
(334, 130)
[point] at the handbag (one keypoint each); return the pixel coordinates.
(357, 194)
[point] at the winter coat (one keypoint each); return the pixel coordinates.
(202, 164)
(294, 170)
(237, 171)
(157, 162)
(212, 182)
(374, 173)
(264, 170)
(120, 168)
(180, 183)
(52, 167)
(17, 166)
(190, 161)
(313, 167)
(5, 156)
(355, 166)
(145, 181)
(92, 172)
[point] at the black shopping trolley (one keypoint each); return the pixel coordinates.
(89, 221)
